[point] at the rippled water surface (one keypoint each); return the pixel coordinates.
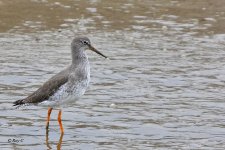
(163, 87)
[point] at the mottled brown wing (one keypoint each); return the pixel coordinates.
(46, 90)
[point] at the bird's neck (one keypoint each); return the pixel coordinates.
(79, 56)
(80, 68)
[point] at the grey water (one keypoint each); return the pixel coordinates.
(162, 88)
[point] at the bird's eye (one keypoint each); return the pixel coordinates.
(85, 42)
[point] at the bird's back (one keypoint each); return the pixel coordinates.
(47, 89)
(68, 84)
(74, 88)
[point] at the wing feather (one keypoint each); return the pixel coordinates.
(47, 89)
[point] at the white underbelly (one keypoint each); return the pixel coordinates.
(67, 94)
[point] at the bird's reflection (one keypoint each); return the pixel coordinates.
(58, 144)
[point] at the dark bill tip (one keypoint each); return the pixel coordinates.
(96, 51)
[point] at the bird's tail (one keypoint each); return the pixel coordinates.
(19, 102)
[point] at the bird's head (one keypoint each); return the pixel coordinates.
(83, 43)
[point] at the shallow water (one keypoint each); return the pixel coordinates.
(163, 87)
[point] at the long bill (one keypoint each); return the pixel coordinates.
(96, 51)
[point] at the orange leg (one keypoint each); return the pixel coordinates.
(60, 121)
(48, 118)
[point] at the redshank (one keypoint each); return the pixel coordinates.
(66, 86)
